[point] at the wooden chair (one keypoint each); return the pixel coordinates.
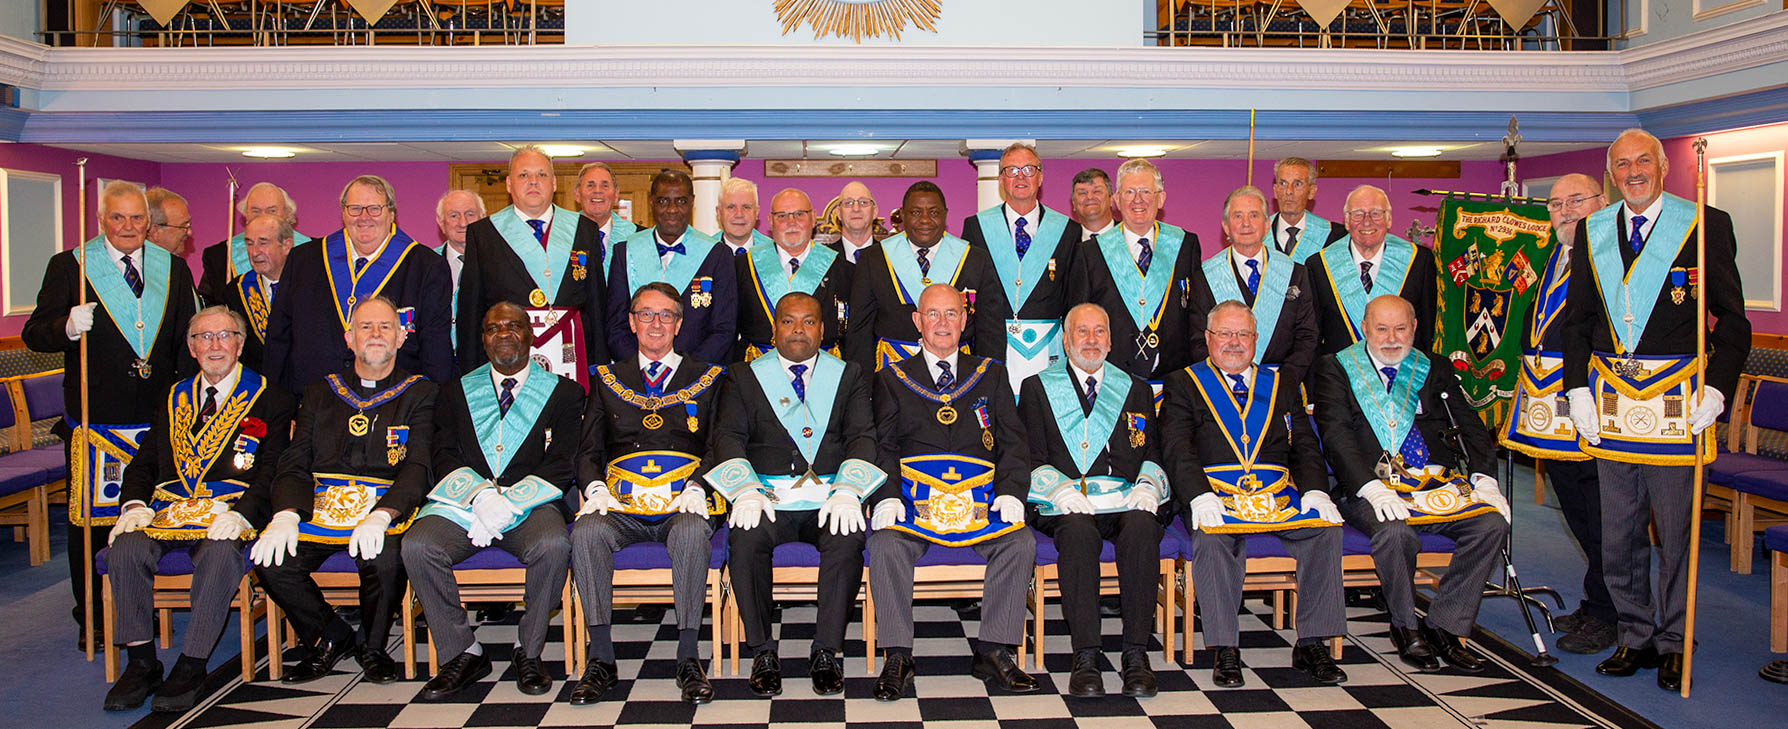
(643, 575)
(173, 591)
(942, 573)
(28, 476)
(795, 576)
(1046, 583)
(1775, 539)
(490, 575)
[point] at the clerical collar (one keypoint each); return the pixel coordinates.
(496, 378)
(546, 217)
(397, 374)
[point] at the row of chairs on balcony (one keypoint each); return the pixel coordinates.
(1364, 24)
(335, 22)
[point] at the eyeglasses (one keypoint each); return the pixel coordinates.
(187, 227)
(861, 202)
(222, 337)
(1232, 333)
(1021, 170)
(946, 315)
(1375, 214)
(1137, 193)
(1571, 202)
(656, 317)
(356, 211)
(788, 215)
(505, 326)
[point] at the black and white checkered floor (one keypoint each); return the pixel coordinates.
(1379, 692)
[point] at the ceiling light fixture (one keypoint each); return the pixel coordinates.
(269, 152)
(854, 150)
(1406, 152)
(561, 150)
(1135, 152)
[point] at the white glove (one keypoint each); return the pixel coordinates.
(479, 535)
(1010, 509)
(135, 516)
(1143, 497)
(1485, 488)
(80, 320)
(279, 539)
(1071, 501)
(1207, 511)
(1388, 505)
(692, 499)
(887, 514)
(597, 499)
(1323, 505)
(1583, 415)
(749, 508)
(1706, 409)
(844, 512)
(227, 526)
(368, 539)
(494, 511)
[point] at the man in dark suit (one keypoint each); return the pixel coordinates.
(225, 260)
(455, 212)
(268, 240)
(949, 418)
(794, 452)
(891, 274)
(736, 213)
(787, 264)
(1384, 408)
(1242, 425)
(1295, 230)
(1366, 263)
(506, 445)
(1121, 486)
(216, 436)
(1274, 287)
(1143, 271)
(1092, 202)
(1620, 332)
(368, 257)
(856, 221)
(639, 468)
(692, 263)
(595, 195)
(138, 300)
(355, 472)
(1033, 249)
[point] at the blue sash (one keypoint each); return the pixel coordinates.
(349, 289)
(1220, 273)
(948, 499)
(1393, 269)
(255, 301)
(903, 265)
(619, 230)
(1091, 430)
(498, 434)
(1554, 289)
(772, 284)
(540, 261)
(1020, 277)
(643, 266)
(1635, 292)
(237, 262)
(805, 422)
(1312, 236)
(1391, 414)
(1145, 297)
(98, 454)
(342, 502)
(132, 315)
(1257, 497)
(889, 352)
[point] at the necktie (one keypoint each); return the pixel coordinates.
(1635, 241)
(360, 265)
(1236, 385)
(1092, 388)
(132, 278)
(924, 262)
(1390, 376)
(676, 248)
(655, 374)
(794, 267)
(507, 397)
(206, 412)
(1291, 238)
(272, 289)
(1366, 276)
(1253, 277)
(1022, 238)
(799, 384)
(539, 227)
(945, 379)
(601, 246)
(1147, 255)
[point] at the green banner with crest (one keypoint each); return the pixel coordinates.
(1491, 256)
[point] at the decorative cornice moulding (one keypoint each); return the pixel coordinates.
(1724, 49)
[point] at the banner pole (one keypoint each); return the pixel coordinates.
(85, 434)
(1688, 632)
(1251, 147)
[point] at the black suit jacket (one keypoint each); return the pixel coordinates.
(155, 463)
(1118, 458)
(1421, 288)
(1049, 300)
(1293, 345)
(1353, 451)
(115, 395)
(1672, 328)
(755, 325)
(1187, 419)
(1093, 282)
(550, 450)
(215, 278)
(304, 337)
(747, 427)
(876, 311)
(494, 273)
(614, 428)
(321, 444)
(708, 331)
(908, 425)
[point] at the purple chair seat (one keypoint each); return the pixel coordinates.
(339, 562)
(939, 555)
(174, 562)
(1767, 484)
(654, 555)
(795, 554)
(17, 478)
(1775, 538)
(1047, 554)
(490, 558)
(1729, 466)
(48, 458)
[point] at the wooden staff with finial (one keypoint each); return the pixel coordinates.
(1700, 288)
(84, 434)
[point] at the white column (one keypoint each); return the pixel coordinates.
(710, 163)
(985, 154)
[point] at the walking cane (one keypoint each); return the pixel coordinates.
(85, 433)
(1700, 439)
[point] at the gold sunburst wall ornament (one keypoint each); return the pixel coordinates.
(855, 19)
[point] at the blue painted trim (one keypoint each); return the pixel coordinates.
(701, 155)
(12, 123)
(983, 155)
(1769, 106)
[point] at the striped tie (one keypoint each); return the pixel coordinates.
(655, 375)
(507, 397)
(132, 278)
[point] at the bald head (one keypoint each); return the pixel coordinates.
(791, 220)
(1573, 198)
(856, 212)
(939, 318)
(1390, 325)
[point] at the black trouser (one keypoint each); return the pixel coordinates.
(840, 575)
(1078, 540)
(381, 588)
(77, 559)
(1579, 493)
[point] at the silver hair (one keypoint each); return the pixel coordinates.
(117, 189)
(441, 204)
(1348, 204)
(1244, 190)
(291, 206)
(1295, 162)
(241, 323)
(738, 184)
(1141, 165)
(1234, 305)
(1656, 146)
(157, 197)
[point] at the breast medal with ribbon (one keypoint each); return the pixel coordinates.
(947, 255)
(1433, 492)
(185, 507)
(1275, 281)
(644, 265)
(1541, 424)
(558, 331)
(1257, 496)
(1086, 435)
(1387, 278)
(805, 422)
(771, 284)
(1145, 296)
(500, 435)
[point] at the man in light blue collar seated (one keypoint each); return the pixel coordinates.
(1097, 476)
(1370, 262)
(950, 427)
(692, 263)
(793, 451)
(1246, 461)
(1410, 456)
(1296, 231)
(1272, 284)
(737, 215)
(506, 438)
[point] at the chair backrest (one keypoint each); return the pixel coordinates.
(43, 395)
(8, 405)
(1769, 406)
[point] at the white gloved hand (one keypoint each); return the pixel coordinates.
(844, 512)
(80, 320)
(1385, 502)
(1706, 410)
(135, 517)
(227, 526)
(1143, 497)
(279, 539)
(887, 514)
(1485, 488)
(494, 511)
(1207, 511)
(479, 535)
(1010, 509)
(368, 538)
(597, 499)
(751, 507)
(692, 499)
(1583, 415)
(1071, 501)
(1324, 506)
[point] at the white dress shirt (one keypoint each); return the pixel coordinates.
(783, 255)
(1651, 213)
(664, 261)
(1134, 241)
(1281, 229)
(852, 250)
(669, 363)
(931, 361)
(1031, 220)
(1089, 234)
(807, 374)
(1376, 260)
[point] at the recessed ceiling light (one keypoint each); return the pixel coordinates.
(269, 152)
(562, 150)
(854, 150)
(1134, 152)
(1416, 151)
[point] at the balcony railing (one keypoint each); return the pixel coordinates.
(322, 22)
(1409, 24)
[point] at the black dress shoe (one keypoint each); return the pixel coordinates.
(140, 678)
(531, 678)
(897, 675)
(1670, 671)
(375, 666)
(1453, 650)
(1776, 671)
(1139, 678)
(1628, 661)
(464, 670)
(1226, 670)
(1413, 649)
(321, 660)
(181, 689)
(1085, 681)
(766, 674)
(1591, 635)
(999, 668)
(1314, 659)
(598, 678)
(827, 673)
(694, 682)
